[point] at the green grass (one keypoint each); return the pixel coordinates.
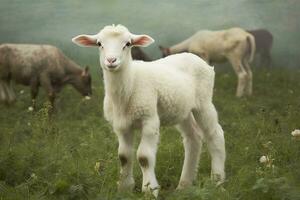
(42, 158)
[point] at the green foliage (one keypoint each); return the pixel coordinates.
(73, 153)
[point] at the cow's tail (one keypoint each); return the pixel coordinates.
(251, 47)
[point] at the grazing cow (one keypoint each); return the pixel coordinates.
(235, 45)
(39, 65)
(264, 43)
(176, 90)
(139, 54)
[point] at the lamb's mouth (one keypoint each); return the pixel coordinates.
(112, 67)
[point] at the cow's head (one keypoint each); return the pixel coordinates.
(83, 82)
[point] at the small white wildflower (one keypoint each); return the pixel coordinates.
(29, 124)
(296, 133)
(21, 91)
(264, 159)
(33, 176)
(87, 97)
(30, 108)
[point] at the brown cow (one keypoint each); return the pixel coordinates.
(264, 43)
(39, 65)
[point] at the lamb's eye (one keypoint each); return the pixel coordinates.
(128, 44)
(99, 44)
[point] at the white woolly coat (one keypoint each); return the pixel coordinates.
(171, 86)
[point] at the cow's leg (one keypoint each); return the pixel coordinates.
(249, 86)
(146, 154)
(46, 84)
(10, 92)
(125, 153)
(266, 58)
(34, 89)
(192, 142)
(2, 92)
(207, 118)
(241, 74)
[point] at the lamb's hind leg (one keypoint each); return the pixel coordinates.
(125, 153)
(207, 119)
(146, 154)
(192, 142)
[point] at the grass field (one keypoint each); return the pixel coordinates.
(42, 158)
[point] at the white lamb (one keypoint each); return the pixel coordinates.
(176, 90)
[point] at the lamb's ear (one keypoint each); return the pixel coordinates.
(141, 40)
(85, 40)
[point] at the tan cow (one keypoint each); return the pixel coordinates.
(234, 45)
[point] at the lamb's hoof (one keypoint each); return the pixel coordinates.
(30, 109)
(126, 185)
(152, 190)
(183, 185)
(218, 179)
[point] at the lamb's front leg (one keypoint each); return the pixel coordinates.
(146, 154)
(125, 153)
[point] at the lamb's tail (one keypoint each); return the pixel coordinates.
(205, 80)
(251, 47)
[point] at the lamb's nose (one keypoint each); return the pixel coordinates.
(111, 60)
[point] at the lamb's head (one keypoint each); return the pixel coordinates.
(114, 43)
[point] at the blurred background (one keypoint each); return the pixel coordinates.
(168, 22)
